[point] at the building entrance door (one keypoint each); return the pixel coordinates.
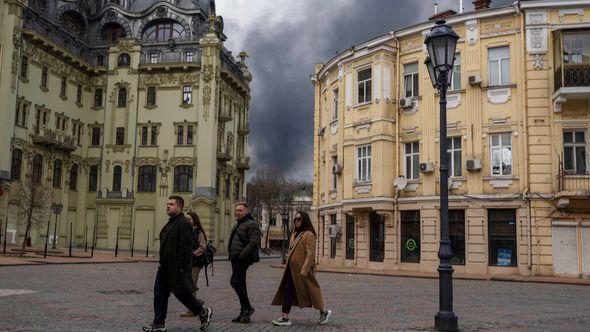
(377, 237)
(565, 247)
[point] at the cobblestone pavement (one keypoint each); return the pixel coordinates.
(118, 297)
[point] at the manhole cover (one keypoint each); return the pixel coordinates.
(121, 292)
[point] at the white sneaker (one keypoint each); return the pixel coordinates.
(282, 321)
(324, 316)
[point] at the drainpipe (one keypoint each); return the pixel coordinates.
(526, 197)
(397, 142)
(396, 258)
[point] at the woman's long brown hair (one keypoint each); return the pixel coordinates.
(305, 223)
(197, 222)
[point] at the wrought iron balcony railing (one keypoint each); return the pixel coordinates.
(154, 57)
(54, 138)
(574, 181)
(572, 75)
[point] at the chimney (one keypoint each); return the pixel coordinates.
(482, 4)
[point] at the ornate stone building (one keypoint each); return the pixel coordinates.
(119, 104)
(518, 122)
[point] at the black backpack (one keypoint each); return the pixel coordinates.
(207, 259)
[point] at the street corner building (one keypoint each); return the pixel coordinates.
(132, 101)
(518, 124)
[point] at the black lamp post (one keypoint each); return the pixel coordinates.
(441, 44)
(285, 220)
(56, 207)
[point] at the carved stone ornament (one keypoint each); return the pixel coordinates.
(472, 32)
(161, 12)
(536, 39)
(538, 62)
(207, 73)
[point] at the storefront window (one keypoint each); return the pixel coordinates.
(410, 241)
(457, 236)
(502, 237)
(350, 237)
(333, 239)
(377, 238)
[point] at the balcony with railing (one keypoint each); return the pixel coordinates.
(573, 182)
(155, 58)
(228, 63)
(572, 66)
(243, 163)
(54, 139)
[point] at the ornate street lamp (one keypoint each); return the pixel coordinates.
(285, 220)
(441, 44)
(56, 208)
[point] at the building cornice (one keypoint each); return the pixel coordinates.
(552, 3)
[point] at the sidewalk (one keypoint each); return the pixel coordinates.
(434, 275)
(34, 256)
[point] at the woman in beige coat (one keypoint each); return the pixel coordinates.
(299, 285)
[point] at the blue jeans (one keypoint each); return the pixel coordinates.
(161, 295)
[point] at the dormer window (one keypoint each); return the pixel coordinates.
(124, 60)
(160, 32)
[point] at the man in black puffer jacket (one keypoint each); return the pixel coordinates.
(243, 247)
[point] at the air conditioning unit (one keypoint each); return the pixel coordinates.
(406, 103)
(474, 80)
(427, 167)
(333, 230)
(336, 169)
(473, 165)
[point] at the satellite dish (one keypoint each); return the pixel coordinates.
(400, 183)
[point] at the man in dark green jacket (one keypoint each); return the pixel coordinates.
(243, 247)
(174, 269)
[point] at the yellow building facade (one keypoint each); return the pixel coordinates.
(518, 120)
(118, 105)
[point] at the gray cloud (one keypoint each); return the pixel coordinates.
(282, 56)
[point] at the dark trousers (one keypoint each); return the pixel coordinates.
(288, 291)
(161, 295)
(238, 282)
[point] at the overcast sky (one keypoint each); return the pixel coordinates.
(284, 39)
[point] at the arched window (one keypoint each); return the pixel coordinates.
(37, 169)
(147, 179)
(16, 165)
(74, 177)
(183, 179)
(117, 170)
(57, 173)
(93, 178)
(122, 100)
(162, 31)
(124, 60)
(112, 32)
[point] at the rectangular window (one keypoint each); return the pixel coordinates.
(454, 155)
(180, 135)
(64, 86)
(227, 187)
(17, 112)
(364, 82)
(44, 77)
(93, 178)
(147, 179)
(456, 78)
(100, 60)
(333, 239)
(144, 135)
(412, 158)
(98, 98)
(23, 120)
(154, 138)
(410, 236)
(334, 174)
(187, 95)
(120, 138)
(16, 164)
(95, 138)
(335, 106)
(501, 153)
(79, 94)
(153, 57)
(457, 236)
(24, 67)
(363, 157)
(502, 237)
(499, 65)
(183, 179)
(190, 56)
(79, 136)
(151, 96)
(189, 135)
(574, 151)
(411, 84)
(350, 237)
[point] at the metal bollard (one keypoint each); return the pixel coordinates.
(117, 243)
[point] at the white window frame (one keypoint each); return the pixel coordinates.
(414, 75)
(451, 149)
(502, 61)
(335, 104)
(503, 147)
(576, 145)
(364, 83)
(412, 173)
(154, 57)
(187, 90)
(456, 73)
(189, 56)
(363, 162)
